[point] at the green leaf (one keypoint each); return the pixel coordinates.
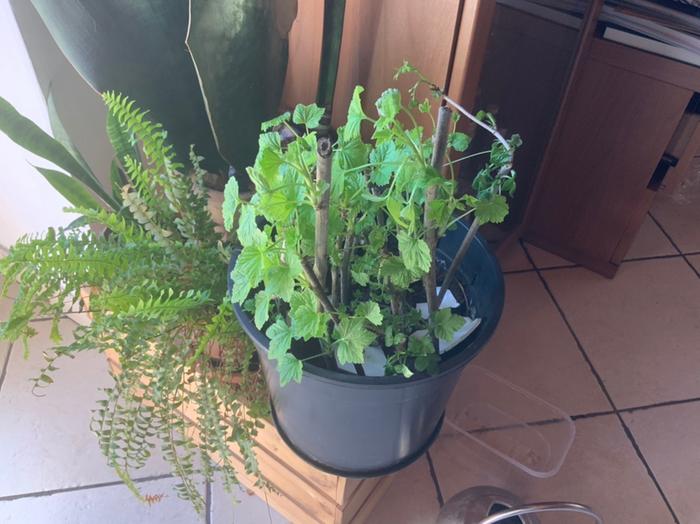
(389, 160)
(117, 179)
(493, 209)
(262, 308)
(389, 103)
(279, 280)
(59, 132)
(269, 140)
(250, 268)
(394, 268)
(231, 201)
(370, 311)
(445, 324)
(428, 363)
(239, 50)
(280, 335)
(394, 207)
(248, 232)
(351, 340)
(307, 322)
(414, 252)
(360, 277)
(420, 345)
(350, 153)
(131, 47)
(459, 141)
(31, 137)
(269, 163)
(310, 115)
(70, 188)
(403, 369)
(424, 106)
(355, 115)
(290, 368)
(268, 124)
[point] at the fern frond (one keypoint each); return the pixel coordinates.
(145, 216)
(151, 135)
(118, 225)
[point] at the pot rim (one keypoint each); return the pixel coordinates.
(461, 355)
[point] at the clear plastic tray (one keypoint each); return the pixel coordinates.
(516, 425)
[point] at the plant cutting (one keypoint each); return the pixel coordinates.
(154, 271)
(359, 281)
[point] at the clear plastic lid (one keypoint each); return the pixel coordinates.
(516, 425)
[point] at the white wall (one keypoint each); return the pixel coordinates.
(30, 64)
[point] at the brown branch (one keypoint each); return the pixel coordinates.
(345, 266)
(319, 292)
(457, 260)
(439, 149)
(323, 183)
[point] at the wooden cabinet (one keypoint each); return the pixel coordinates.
(596, 185)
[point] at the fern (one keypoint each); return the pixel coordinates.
(161, 305)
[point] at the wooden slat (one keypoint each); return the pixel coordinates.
(472, 38)
(361, 494)
(646, 64)
(594, 192)
(304, 55)
(370, 502)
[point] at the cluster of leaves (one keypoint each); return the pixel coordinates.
(157, 280)
(375, 226)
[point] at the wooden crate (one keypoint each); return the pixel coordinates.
(300, 492)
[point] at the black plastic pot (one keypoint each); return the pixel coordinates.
(367, 426)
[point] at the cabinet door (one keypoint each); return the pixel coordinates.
(593, 195)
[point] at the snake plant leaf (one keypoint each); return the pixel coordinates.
(240, 48)
(59, 131)
(137, 48)
(31, 137)
(70, 188)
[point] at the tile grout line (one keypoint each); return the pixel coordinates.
(643, 407)
(3, 371)
(433, 475)
(58, 491)
(603, 388)
(675, 246)
(635, 259)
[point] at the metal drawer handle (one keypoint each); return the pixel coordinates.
(542, 507)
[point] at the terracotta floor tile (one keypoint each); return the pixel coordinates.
(533, 349)
(650, 242)
(241, 508)
(411, 498)
(544, 259)
(513, 258)
(679, 214)
(668, 438)
(640, 329)
(46, 440)
(695, 261)
(601, 470)
(106, 505)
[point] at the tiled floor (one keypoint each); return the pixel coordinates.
(621, 356)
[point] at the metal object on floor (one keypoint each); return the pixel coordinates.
(491, 505)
